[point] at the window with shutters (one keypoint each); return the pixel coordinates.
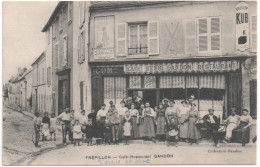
(121, 39)
(81, 95)
(60, 21)
(253, 33)
(56, 56)
(209, 34)
(69, 12)
(65, 51)
(49, 76)
(138, 43)
(81, 13)
(81, 47)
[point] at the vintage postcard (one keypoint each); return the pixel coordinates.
(129, 82)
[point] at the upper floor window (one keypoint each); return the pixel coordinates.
(81, 13)
(48, 36)
(81, 47)
(65, 51)
(49, 76)
(138, 39)
(253, 33)
(143, 38)
(209, 34)
(60, 20)
(70, 11)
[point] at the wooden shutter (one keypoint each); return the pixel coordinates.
(65, 51)
(153, 37)
(189, 36)
(82, 46)
(79, 45)
(253, 33)
(121, 48)
(253, 98)
(81, 96)
(202, 34)
(215, 33)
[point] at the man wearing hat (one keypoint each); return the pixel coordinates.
(212, 123)
(66, 127)
(83, 120)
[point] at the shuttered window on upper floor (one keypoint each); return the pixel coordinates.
(65, 51)
(253, 33)
(137, 38)
(209, 34)
(81, 47)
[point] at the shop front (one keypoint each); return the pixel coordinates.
(208, 84)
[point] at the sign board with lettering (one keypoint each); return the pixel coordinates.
(107, 70)
(104, 37)
(184, 67)
(242, 26)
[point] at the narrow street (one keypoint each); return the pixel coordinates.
(17, 138)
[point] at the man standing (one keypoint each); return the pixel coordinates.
(212, 124)
(66, 126)
(37, 126)
(101, 117)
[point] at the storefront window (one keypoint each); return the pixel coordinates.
(149, 82)
(114, 90)
(135, 82)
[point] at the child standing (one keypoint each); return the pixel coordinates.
(77, 134)
(89, 129)
(108, 124)
(53, 122)
(45, 126)
(127, 126)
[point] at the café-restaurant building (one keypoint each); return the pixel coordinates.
(158, 50)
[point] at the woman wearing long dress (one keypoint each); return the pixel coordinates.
(242, 132)
(172, 114)
(135, 121)
(141, 119)
(193, 132)
(148, 129)
(127, 126)
(184, 121)
(160, 122)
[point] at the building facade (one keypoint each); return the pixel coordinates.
(81, 70)
(60, 28)
(199, 51)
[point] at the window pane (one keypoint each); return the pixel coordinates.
(143, 35)
(203, 26)
(215, 42)
(215, 25)
(203, 43)
(149, 81)
(135, 82)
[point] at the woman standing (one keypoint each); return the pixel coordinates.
(193, 132)
(160, 122)
(135, 121)
(172, 112)
(148, 128)
(121, 112)
(141, 119)
(184, 121)
(242, 131)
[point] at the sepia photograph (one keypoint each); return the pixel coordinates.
(129, 83)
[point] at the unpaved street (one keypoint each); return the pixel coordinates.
(17, 138)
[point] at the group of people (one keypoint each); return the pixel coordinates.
(131, 121)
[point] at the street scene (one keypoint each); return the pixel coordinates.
(130, 83)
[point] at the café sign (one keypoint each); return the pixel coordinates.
(184, 67)
(242, 26)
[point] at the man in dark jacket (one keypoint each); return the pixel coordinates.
(212, 123)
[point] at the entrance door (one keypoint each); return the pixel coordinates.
(150, 96)
(63, 95)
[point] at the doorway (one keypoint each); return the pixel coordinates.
(64, 101)
(144, 95)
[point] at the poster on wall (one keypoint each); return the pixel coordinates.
(242, 26)
(104, 37)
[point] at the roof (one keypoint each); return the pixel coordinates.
(39, 58)
(25, 73)
(53, 15)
